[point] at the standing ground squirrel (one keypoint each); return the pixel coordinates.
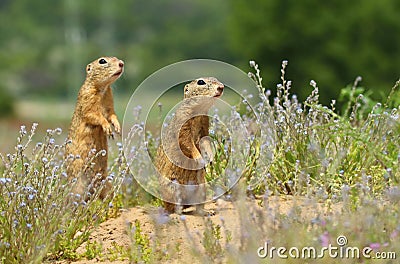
(91, 124)
(186, 146)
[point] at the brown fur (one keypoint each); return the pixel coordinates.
(185, 142)
(91, 124)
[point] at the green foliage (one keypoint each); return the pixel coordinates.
(48, 44)
(6, 103)
(93, 250)
(317, 151)
(141, 252)
(309, 149)
(348, 95)
(331, 42)
(219, 162)
(39, 216)
(212, 240)
(31, 190)
(117, 252)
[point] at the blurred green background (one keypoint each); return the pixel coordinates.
(46, 44)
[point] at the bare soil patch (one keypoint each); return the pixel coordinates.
(179, 237)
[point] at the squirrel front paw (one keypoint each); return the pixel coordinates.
(115, 123)
(107, 129)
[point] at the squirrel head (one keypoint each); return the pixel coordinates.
(205, 86)
(200, 93)
(104, 71)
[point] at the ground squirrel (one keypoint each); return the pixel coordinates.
(186, 147)
(91, 124)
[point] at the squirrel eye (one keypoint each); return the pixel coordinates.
(102, 61)
(201, 82)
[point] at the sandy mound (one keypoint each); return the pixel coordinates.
(177, 235)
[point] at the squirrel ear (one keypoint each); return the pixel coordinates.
(88, 67)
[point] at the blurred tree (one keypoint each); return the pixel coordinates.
(178, 30)
(46, 45)
(330, 42)
(6, 103)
